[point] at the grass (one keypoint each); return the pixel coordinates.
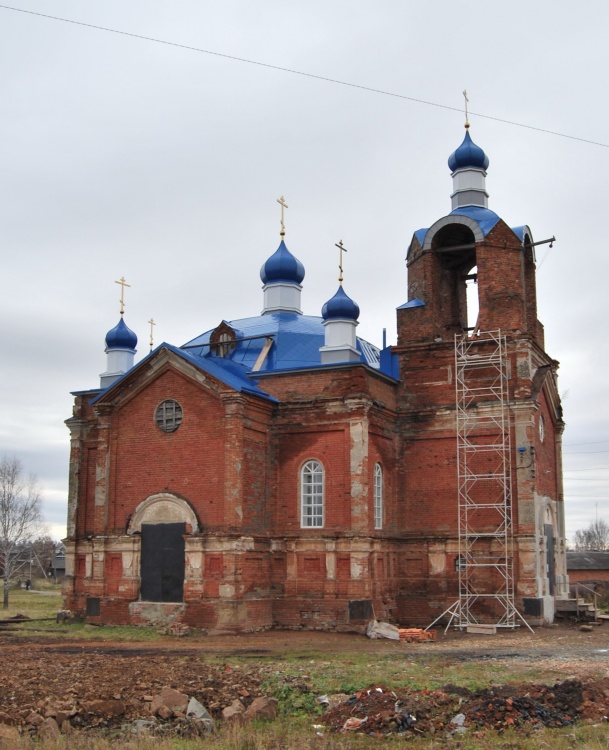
(418, 670)
(300, 734)
(32, 604)
(45, 602)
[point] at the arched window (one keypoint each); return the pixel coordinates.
(378, 496)
(312, 495)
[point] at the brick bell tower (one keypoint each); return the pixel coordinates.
(480, 418)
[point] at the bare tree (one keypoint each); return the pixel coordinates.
(20, 518)
(593, 537)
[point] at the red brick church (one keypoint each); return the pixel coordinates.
(280, 471)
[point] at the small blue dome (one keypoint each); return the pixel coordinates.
(468, 155)
(340, 306)
(282, 266)
(121, 337)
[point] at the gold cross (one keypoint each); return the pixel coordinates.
(341, 250)
(123, 284)
(466, 101)
(283, 205)
(152, 324)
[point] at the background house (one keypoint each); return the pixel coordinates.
(587, 566)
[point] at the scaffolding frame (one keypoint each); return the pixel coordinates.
(484, 479)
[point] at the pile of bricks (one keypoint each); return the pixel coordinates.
(416, 635)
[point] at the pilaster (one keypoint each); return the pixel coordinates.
(234, 410)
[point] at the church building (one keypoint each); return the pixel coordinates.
(280, 471)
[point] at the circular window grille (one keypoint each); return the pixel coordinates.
(168, 416)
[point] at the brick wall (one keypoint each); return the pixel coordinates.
(236, 461)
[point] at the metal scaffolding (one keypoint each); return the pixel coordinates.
(485, 561)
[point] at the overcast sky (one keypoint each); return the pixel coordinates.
(126, 157)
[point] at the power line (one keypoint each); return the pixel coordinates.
(594, 468)
(326, 79)
(583, 453)
(594, 442)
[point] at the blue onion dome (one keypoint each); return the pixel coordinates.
(282, 266)
(121, 337)
(340, 306)
(468, 155)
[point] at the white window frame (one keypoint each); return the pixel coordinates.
(378, 496)
(312, 495)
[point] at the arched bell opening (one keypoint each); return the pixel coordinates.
(455, 247)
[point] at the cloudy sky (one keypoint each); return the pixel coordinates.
(121, 156)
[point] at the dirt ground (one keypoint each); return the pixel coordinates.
(106, 683)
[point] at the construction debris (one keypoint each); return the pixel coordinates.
(172, 691)
(481, 629)
(376, 629)
(416, 635)
(377, 711)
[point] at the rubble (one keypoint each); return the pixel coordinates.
(377, 711)
(198, 712)
(387, 711)
(262, 708)
(416, 635)
(179, 692)
(49, 729)
(139, 727)
(150, 691)
(8, 735)
(234, 712)
(64, 616)
(376, 629)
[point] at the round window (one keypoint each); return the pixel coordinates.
(168, 415)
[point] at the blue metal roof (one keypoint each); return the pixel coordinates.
(390, 363)
(420, 235)
(414, 302)
(484, 217)
(231, 373)
(121, 337)
(520, 232)
(340, 306)
(468, 155)
(223, 369)
(282, 266)
(296, 343)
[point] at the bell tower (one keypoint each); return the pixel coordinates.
(471, 244)
(475, 469)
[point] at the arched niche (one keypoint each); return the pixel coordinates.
(163, 508)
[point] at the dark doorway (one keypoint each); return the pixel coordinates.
(162, 567)
(551, 573)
